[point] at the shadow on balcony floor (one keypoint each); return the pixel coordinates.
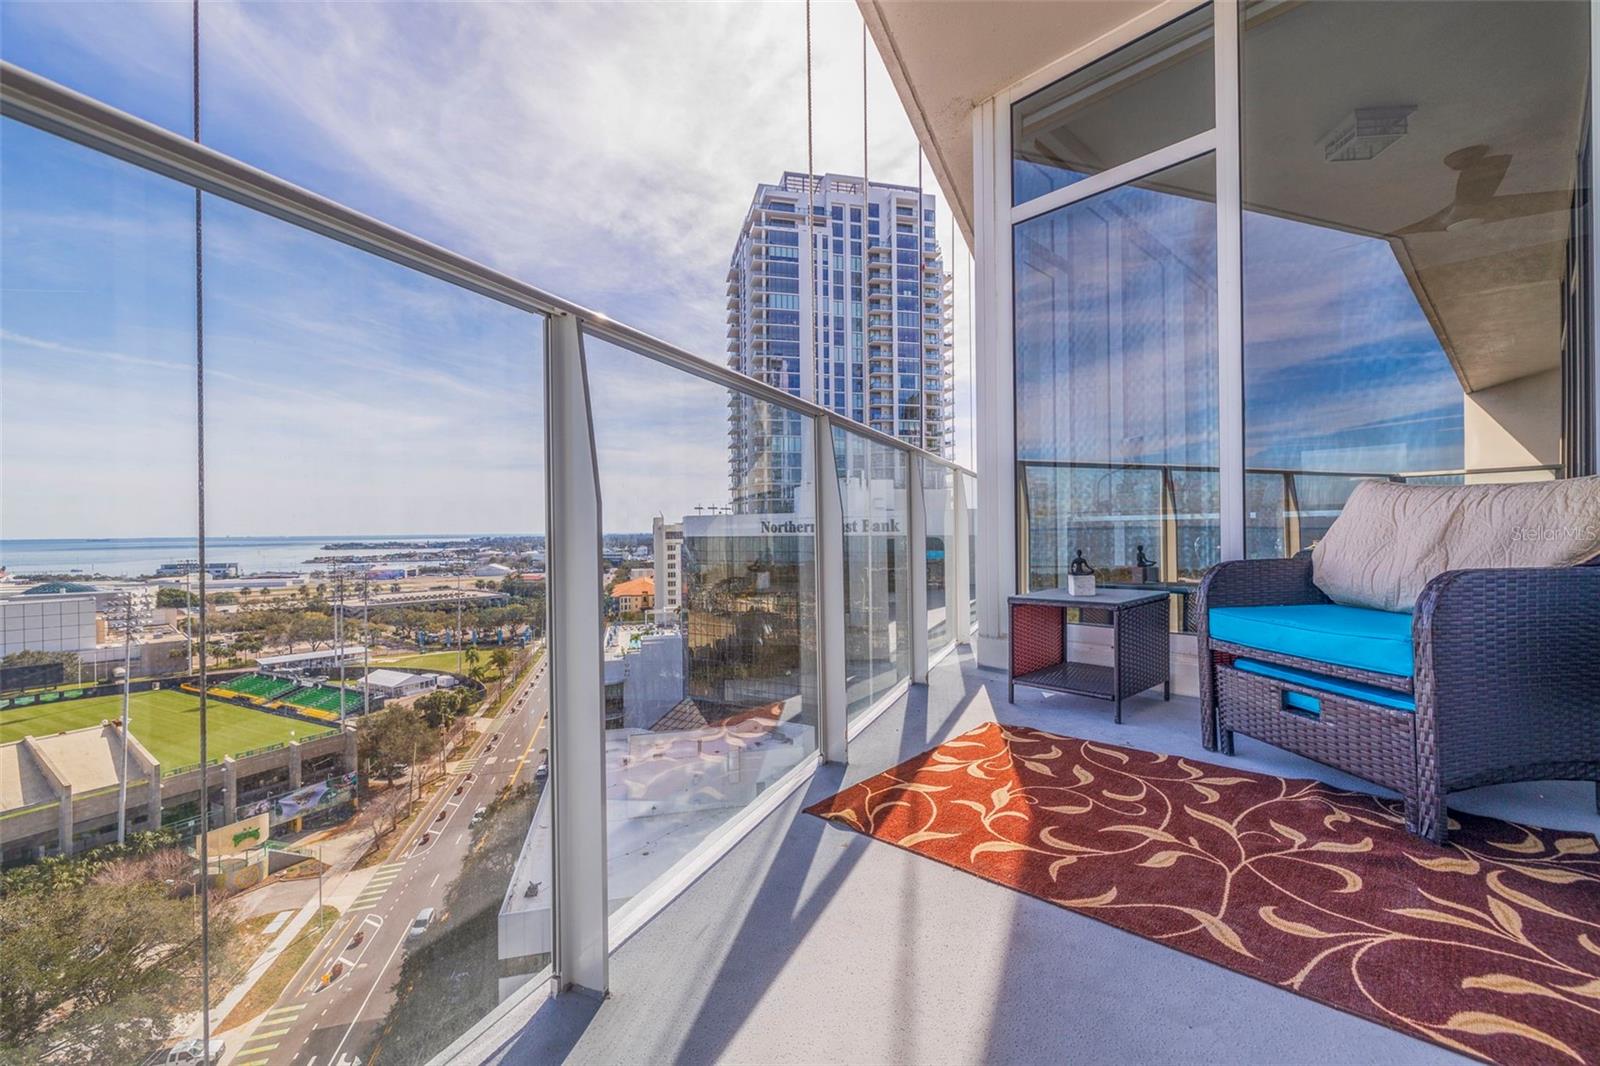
(809, 943)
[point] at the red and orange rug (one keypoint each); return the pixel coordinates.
(1490, 945)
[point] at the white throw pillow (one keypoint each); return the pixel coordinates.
(1391, 539)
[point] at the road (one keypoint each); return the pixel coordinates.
(334, 1023)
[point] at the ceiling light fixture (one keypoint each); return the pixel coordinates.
(1365, 132)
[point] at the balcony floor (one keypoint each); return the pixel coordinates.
(811, 943)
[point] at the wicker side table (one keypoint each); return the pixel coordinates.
(1140, 656)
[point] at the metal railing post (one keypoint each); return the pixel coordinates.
(958, 563)
(917, 547)
(832, 699)
(577, 688)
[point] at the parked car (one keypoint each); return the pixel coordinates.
(420, 923)
(543, 770)
(190, 1052)
(480, 814)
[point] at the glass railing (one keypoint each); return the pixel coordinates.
(1157, 524)
(475, 622)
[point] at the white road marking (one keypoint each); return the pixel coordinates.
(359, 1010)
(434, 881)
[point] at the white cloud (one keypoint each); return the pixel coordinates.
(606, 152)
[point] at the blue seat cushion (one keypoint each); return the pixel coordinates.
(1357, 637)
(1354, 689)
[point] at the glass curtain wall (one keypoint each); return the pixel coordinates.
(710, 703)
(1414, 264)
(1411, 176)
(877, 567)
(101, 942)
(938, 498)
(1116, 364)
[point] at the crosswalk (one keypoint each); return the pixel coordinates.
(373, 893)
(273, 1026)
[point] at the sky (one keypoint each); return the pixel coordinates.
(604, 152)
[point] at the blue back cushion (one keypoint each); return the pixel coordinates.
(1357, 637)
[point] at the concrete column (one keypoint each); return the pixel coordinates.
(62, 788)
(230, 789)
(152, 797)
(995, 411)
(64, 822)
(152, 774)
(350, 749)
(294, 765)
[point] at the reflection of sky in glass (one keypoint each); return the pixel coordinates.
(346, 395)
(1116, 327)
(1342, 369)
(1116, 341)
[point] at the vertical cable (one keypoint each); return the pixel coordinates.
(861, 360)
(200, 503)
(810, 338)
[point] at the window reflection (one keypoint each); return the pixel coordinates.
(710, 637)
(1145, 96)
(1408, 177)
(938, 494)
(877, 567)
(1116, 381)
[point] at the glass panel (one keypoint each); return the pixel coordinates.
(938, 497)
(136, 55)
(375, 515)
(1116, 381)
(710, 640)
(97, 444)
(1408, 177)
(877, 572)
(1152, 93)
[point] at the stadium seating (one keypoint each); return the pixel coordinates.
(259, 686)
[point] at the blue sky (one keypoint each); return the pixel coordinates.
(606, 152)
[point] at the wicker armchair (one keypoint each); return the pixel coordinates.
(1506, 684)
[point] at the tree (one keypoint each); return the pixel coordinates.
(98, 955)
(471, 656)
(34, 657)
(171, 596)
(392, 736)
(500, 659)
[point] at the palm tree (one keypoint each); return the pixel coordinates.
(471, 655)
(500, 659)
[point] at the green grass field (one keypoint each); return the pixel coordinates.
(167, 723)
(445, 660)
